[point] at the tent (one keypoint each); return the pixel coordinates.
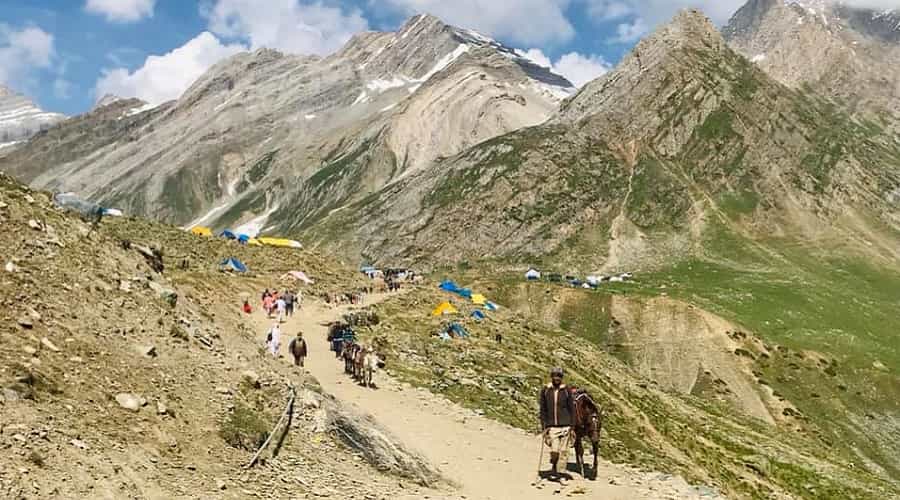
(243, 238)
(457, 330)
(478, 315)
(533, 274)
(201, 231)
(280, 242)
(490, 306)
(445, 308)
(299, 276)
(464, 293)
(254, 242)
(479, 299)
(593, 280)
(449, 286)
(232, 264)
(112, 212)
(228, 235)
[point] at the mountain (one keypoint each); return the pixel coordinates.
(21, 119)
(837, 50)
(267, 139)
(637, 165)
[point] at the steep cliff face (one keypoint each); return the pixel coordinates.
(268, 140)
(21, 119)
(837, 50)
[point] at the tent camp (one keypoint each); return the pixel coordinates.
(479, 300)
(201, 231)
(228, 235)
(445, 308)
(232, 264)
(280, 242)
(299, 276)
(533, 274)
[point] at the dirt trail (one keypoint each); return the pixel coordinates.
(485, 459)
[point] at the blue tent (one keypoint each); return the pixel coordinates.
(243, 238)
(228, 234)
(490, 306)
(449, 286)
(478, 315)
(232, 264)
(457, 330)
(464, 293)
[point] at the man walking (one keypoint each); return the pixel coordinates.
(298, 349)
(289, 303)
(280, 308)
(273, 340)
(557, 414)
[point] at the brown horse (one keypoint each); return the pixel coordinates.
(588, 422)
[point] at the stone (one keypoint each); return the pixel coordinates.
(125, 286)
(11, 267)
(223, 390)
(129, 402)
(251, 378)
(878, 365)
(49, 345)
(220, 485)
(167, 294)
(26, 323)
(37, 226)
(161, 408)
(31, 351)
(81, 445)
(309, 400)
(320, 421)
(147, 351)
(29, 199)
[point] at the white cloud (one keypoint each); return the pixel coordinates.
(288, 25)
(521, 21)
(577, 68)
(22, 51)
(121, 11)
(166, 77)
(631, 31)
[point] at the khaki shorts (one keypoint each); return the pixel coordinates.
(557, 439)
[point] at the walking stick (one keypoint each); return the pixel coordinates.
(541, 457)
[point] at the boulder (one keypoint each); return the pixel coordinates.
(167, 294)
(161, 408)
(49, 345)
(147, 351)
(251, 378)
(129, 402)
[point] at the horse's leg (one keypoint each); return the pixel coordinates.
(595, 445)
(579, 454)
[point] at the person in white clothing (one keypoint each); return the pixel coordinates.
(273, 340)
(281, 308)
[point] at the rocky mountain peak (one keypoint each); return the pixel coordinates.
(644, 74)
(106, 100)
(20, 118)
(838, 50)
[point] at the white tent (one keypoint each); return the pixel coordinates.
(533, 274)
(593, 280)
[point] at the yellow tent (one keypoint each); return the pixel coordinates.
(201, 231)
(479, 299)
(280, 242)
(445, 308)
(255, 242)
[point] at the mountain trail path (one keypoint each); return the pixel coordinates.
(484, 459)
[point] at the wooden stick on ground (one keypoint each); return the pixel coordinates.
(288, 410)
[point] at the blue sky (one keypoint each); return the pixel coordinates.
(66, 53)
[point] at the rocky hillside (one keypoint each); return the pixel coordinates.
(839, 51)
(274, 140)
(685, 134)
(118, 380)
(21, 119)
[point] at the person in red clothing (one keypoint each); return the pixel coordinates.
(557, 413)
(247, 309)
